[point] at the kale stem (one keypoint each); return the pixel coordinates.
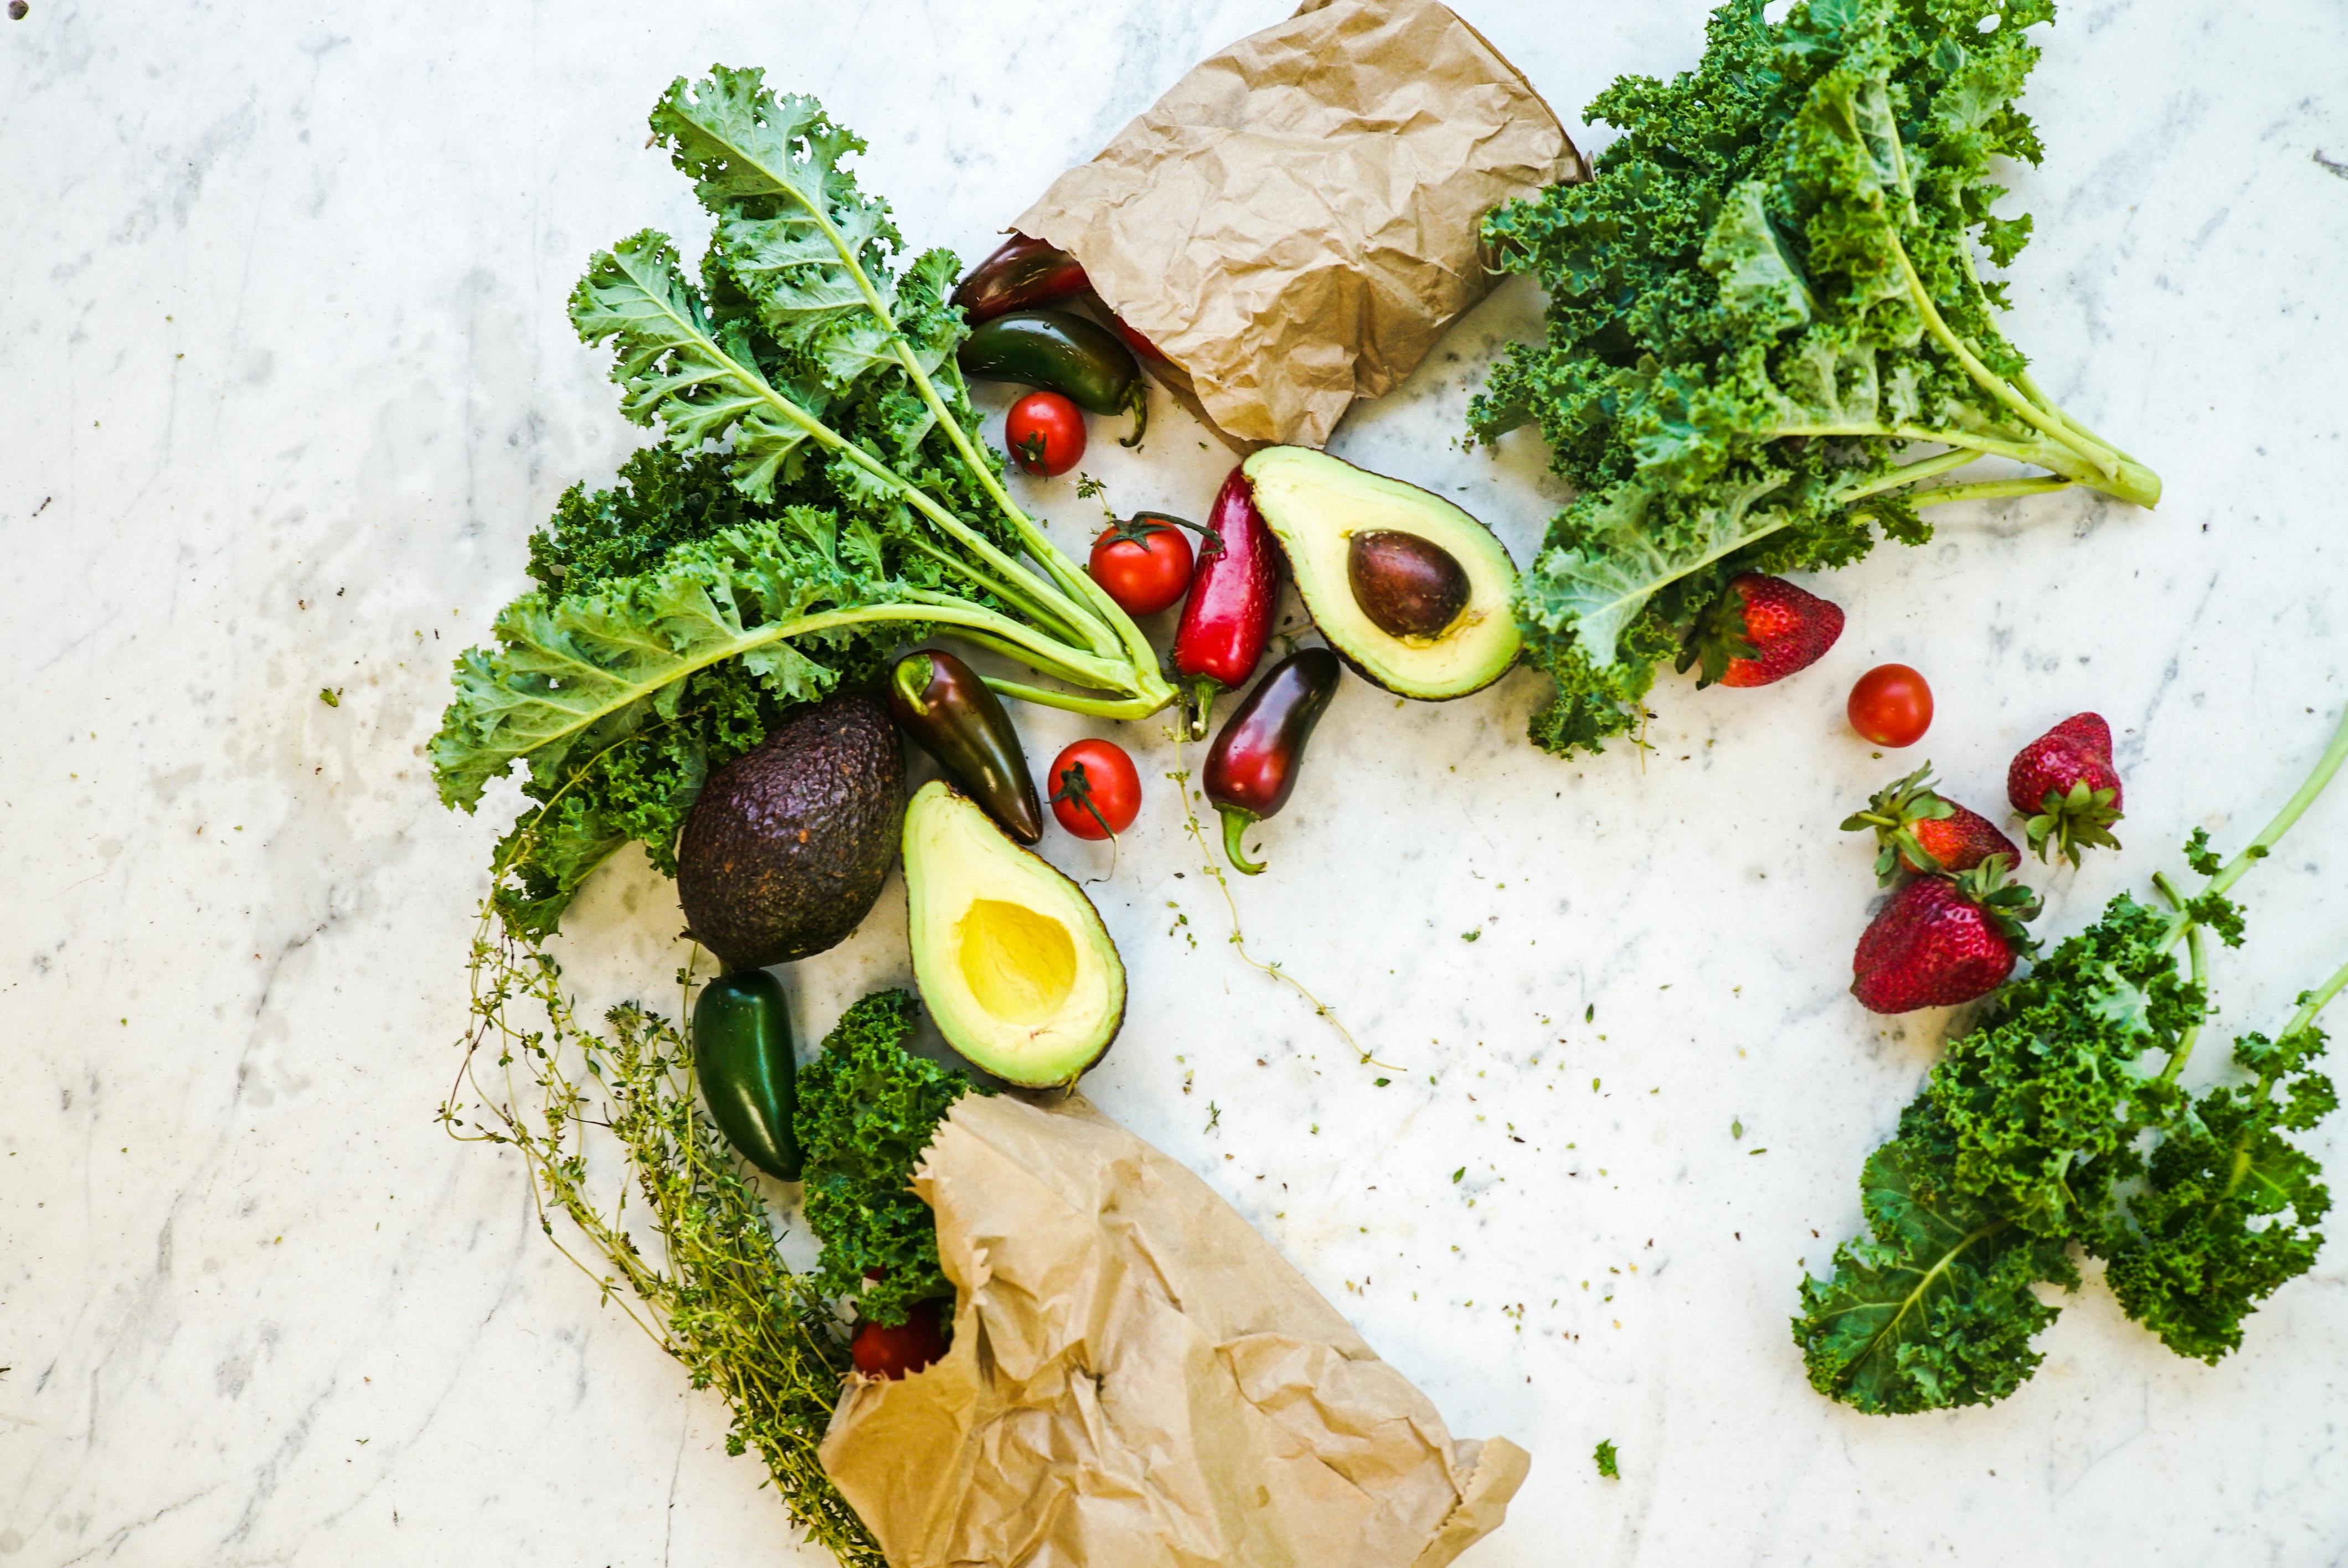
(1987, 490)
(2292, 809)
(2315, 1002)
(2197, 955)
(1909, 473)
(2105, 461)
(1099, 707)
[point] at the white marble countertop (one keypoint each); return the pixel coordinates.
(286, 381)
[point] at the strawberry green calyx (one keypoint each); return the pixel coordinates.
(2069, 820)
(1923, 830)
(1893, 812)
(2008, 904)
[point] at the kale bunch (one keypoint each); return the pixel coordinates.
(868, 1110)
(2058, 1120)
(822, 496)
(1761, 304)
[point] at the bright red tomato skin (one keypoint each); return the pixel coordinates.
(1143, 576)
(1114, 788)
(881, 1352)
(1046, 432)
(1891, 705)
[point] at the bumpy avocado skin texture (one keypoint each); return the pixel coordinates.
(787, 847)
(1017, 968)
(1316, 504)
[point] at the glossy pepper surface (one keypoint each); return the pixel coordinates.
(742, 1059)
(940, 702)
(1079, 358)
(1227, 620)
(1252, 769)
(1023, 273)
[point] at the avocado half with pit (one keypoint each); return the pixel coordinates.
(1409, 590)
(1013, 962)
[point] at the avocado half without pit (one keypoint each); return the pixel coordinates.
(1014, 963)
(1406, 588)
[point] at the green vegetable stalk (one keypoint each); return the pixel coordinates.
(1768, 334)
(854, 508)
(686, 1247)
(2059, 1119)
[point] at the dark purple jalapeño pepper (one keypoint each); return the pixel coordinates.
(1021, 274)
(1252, 767)
(1227, 620)
(940, 701)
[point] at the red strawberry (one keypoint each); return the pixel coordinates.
(1942, 940)
(1923, 830)
(2064, 781)
(1760, 629)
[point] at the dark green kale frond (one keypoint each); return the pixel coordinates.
(2057, 1119)
(1761, 303)
(868, 1110)
(1935, 1308)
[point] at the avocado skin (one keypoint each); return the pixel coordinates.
(786, 849)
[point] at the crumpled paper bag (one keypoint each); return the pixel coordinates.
(1295, 222)
(1138, 1380)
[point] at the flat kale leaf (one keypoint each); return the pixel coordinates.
(1935, 1308)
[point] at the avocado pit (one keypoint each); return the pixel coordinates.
(1407, 586)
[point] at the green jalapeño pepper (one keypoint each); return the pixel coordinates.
(1077, 358)
(940, 701)
(1251, 768)
(742, 1059)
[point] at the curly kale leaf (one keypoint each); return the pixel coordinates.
(1936, 1308)
(2044, 1099)
(2228, 1212)
(854, 507)
(1762, 301)
(866, 1111)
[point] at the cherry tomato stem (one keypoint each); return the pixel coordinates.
(1145, 564)
(1046, 432)
(1096, 792)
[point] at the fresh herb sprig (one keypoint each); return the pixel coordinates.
(855, 507)
(1762, 302)
(2058, 1119)
(711, 1289)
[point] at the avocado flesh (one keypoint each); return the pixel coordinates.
(1013, 960)
(1315, 504)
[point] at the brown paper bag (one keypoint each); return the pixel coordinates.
(1138, 1380)
(1295, 222)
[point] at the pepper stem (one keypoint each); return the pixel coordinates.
(1237, 821)
(1198, 702)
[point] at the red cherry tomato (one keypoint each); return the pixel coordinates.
(1891, 705)
(1144, 575)
(1094, 791)
(1046, 432)
(882, 1352)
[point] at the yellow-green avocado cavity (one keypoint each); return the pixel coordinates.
(1013, 960)
(1316, 504)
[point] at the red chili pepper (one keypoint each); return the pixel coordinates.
(1252, 767)
(1135, 341)
(1022, 274)
(1227, 620)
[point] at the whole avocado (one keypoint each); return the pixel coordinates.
(787, 848)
